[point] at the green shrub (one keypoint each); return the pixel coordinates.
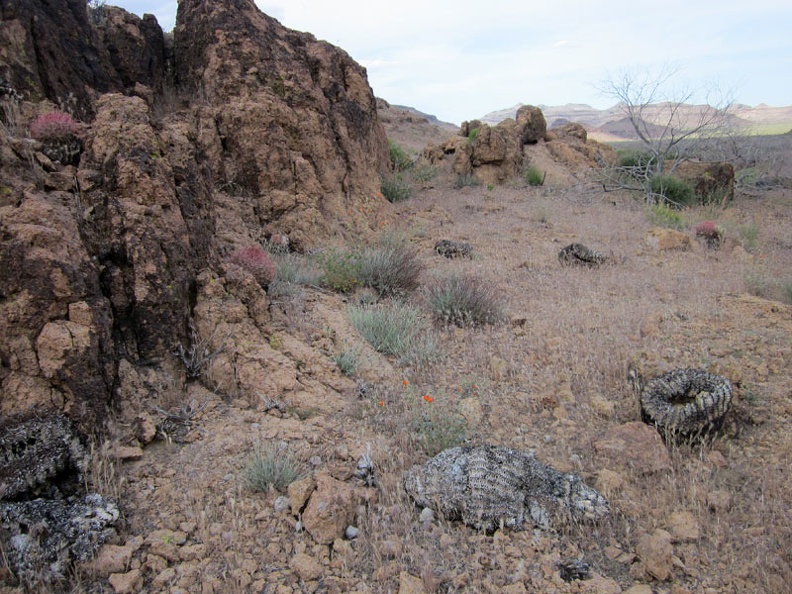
(425, 172)
(400, 160)
(534, 177)
(662, 215)
(632, 159)
(466, 181)
(297, 270)
(347, 361)
(340, 269)
(396, 187)
(464, 300)
(272, 466)
(472, 134)
(749, 235)
(786, 289)
(391, 267)
(675, 191)
(396, 329)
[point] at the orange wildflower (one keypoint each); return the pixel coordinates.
(405, 383)
(428, 398)
(382, 403)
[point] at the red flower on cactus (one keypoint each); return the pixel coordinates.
(257, 262)
(53, 126)
(707, 229)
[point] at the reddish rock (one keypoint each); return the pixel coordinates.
(330, 509)
(663, 240)
(635, 445)
(656, 553)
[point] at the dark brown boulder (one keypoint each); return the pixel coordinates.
(50, 50)
(712, 182)
(532, 124)
(135, 47)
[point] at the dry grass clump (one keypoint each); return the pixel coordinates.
(272, 466)
(464, 300)
(397, 329)
(391, 267)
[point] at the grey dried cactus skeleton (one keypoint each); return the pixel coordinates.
(453, 249)
(488, 487)
(42, 537)
(36, 450)
(577, 254)
(684, 401)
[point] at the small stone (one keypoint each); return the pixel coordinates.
(683, 527)
(390, 549)
(409, 584)
(656, 553)
(111, 559)
(145, 428)
(635, 445)
(127, 453)
(351, 532)
(719, 500)
(282, 503)
(667, 239)
(427, 515)
(306, 567)
(125, 583)
(330, 509)
(164, 579)
(598, 584)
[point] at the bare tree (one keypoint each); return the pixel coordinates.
(666, 119)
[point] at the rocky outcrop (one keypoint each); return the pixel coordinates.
(496, 154)
(135, 47)
(295, 119)
(51, 50)
(100, 260)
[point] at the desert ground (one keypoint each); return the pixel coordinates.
(706, 516)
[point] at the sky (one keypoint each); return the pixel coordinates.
(459, 60)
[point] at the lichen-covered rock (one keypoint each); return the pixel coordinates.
(43, 538)
(35, 451)
(488, 487)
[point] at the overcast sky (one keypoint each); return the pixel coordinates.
(461, 60)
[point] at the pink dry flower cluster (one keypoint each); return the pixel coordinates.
(53, 126)
(257, 262)
(707, 230)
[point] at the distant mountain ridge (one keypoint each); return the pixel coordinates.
(611, 120)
